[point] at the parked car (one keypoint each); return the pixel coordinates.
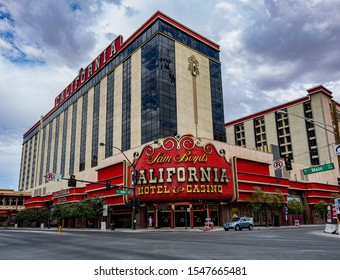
(239, 223)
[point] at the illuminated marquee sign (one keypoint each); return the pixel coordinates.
(85, 74)
(181, 169)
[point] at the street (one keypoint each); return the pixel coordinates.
(294, 243)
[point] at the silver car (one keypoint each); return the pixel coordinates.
(239, 223)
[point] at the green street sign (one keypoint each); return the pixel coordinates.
(320, 168)
(123, 192)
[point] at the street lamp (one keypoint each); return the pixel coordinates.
(134, 180)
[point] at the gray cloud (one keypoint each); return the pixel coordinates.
(57, 31)
(271, 51)
(298, 38)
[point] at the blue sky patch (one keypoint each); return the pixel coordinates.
(75, 6)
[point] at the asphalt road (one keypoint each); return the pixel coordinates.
(295, 243)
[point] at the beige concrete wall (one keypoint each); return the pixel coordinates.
(89, 126)
(229, 130)
(298, 134)
(47, 128)
(32, 141)
(184, 90)
(136, 99)
(118, 89)
(60, 142)
(250, 134)
(102, 118)
(24, 165)
(68, 142)
(78, 134)
(54, 124)
(321, 109)
(271, 132)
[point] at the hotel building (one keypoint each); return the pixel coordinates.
(305, 129)
(151, 104)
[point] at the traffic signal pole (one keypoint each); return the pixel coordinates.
(133, 187)
(134, 198)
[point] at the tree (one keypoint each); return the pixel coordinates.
(2, 219)
(90, 208)
(96, 204)
(295, 206)
(56, 212)
(275, 201)
(320, 208)
(257, 200)
(41, 215)
(33, 215)
(261, 199)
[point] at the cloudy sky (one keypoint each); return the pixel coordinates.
(271, 52)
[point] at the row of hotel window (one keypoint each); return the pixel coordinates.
(283, 134)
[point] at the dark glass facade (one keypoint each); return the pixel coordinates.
(49, 145)
(63, 147)
(42, 156)
(56, 145)
(217, 101)
(109, 114)
(126, 105)
(95, 125)
(82, 156)
(158, 94)
(73, 137)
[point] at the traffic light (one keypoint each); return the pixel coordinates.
(108, 184)
(72, 182)
(130, 203)
(138, 202)
(288, 162)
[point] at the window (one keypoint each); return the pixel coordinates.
(260, 132)
(109, 115)
(82, 155)
(310, 129)
(63, 147)
(73, 137)
(42, 156)
(56, 144)
(217, 101)
(240, 138)
(126, 105)
(95, 126)
(283, 132)
(159, 118)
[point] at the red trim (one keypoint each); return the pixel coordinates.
(157, 15)
(318, 89)
(268, 111)
(160, 15)
(114, 200)
(32, 128)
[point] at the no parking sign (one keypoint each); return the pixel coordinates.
(278, 164)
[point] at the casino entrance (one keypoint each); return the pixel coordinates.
(183, 215)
